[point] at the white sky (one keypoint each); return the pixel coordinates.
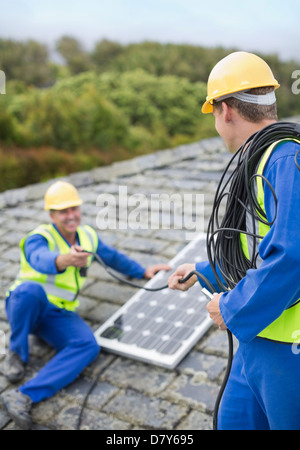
(269, 26)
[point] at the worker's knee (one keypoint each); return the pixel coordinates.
(87, 348)
(92, 348)
(28, 294)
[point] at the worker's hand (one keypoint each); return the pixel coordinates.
(213, 309)
(180, 273)
(76, 258)
(152, 270)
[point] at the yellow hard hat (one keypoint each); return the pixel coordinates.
(239, 71)
(61, 195)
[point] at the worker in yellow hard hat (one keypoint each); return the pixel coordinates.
(253, 249)
(43, 299)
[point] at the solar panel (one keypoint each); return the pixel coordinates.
(160, 327)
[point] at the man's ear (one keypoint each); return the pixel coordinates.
(227, 112)
(51, 214)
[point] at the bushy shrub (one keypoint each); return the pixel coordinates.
(66, 121)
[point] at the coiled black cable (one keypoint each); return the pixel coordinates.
(224, 247)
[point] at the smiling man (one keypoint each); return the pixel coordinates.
(44, 297)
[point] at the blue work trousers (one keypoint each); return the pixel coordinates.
(262, 392)
(29, 312)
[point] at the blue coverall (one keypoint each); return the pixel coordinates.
(262, 391)
(29, 312)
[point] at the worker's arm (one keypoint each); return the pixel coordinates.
(185, 269)
(45, 261)
(205, 269)
(118, 261)
(39, 256)
(264, 293)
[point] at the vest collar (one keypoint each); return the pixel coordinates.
(67, 242)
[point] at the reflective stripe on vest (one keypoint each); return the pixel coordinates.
(61, 289)
(286, 328)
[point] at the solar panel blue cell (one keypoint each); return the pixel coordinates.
(150, 342)
(169, 347)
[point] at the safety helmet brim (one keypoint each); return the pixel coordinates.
(61, 206)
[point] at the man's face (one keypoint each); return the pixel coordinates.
(67, 220)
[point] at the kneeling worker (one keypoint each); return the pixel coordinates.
(43, 299)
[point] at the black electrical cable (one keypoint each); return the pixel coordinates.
(202, 277)
(242, 211)
(121, 279)
(296, 160)
(230, 349)
(79, 420)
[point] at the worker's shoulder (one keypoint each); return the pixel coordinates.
(88, 229)
(40, 232)
(41, 229)
(283, 151)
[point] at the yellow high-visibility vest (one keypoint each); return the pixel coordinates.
(61, 289)
(286, 328)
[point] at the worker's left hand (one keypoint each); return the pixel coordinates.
(152, 270)
(214, 311)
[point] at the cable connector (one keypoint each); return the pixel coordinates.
(207, 293)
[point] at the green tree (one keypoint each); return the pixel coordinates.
(26, 61)
(104, 53)
(76, 58)
(66, 121)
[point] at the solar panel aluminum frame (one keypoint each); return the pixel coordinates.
(152, 356)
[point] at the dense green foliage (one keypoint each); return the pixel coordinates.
(111, 103)
(132, 110)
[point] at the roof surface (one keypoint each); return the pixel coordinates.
(129, 395)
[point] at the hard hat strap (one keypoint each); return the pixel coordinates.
(264, 99)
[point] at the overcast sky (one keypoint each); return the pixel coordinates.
(268, 26)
